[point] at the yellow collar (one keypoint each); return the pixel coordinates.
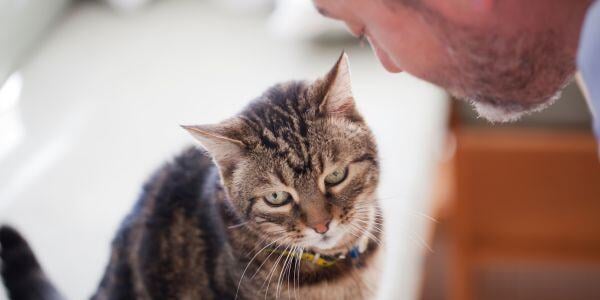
(308, 256)
(324, 261)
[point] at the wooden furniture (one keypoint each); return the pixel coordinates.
(522, 195)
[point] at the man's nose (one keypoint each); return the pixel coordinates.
(321, 227)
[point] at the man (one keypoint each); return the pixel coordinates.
(507, 57)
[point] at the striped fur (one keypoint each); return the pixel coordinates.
(202, 228)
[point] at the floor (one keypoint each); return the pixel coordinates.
(102, 98)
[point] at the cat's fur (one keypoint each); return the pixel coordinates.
(202, 228)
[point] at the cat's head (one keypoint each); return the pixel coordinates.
(299, 163)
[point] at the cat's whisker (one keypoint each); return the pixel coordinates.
(248, 265)
(426, 216)
(299, 262)
(421, 242)
(258, 244)
(418, 213)
(281, 273)
(373, 225)
(363, 214)
(368, 213)
(372, 202)
(293, 272)
(353, 233)
(289, 271)
(268, 276)
(369, 209)
(237, 225)
(367, 233)
(297, 271)
(375, 229)
(378, 230)
(272, 272)
(274, 267)
(369, 222)
(266, 259)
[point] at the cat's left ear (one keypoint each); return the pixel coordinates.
(338, 99)
(220, 141)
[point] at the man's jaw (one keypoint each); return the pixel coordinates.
(509, 112)
(385, 59)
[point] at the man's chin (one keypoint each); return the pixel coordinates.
(498, 114)
(509, 111)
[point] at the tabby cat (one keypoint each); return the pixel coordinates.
(280, 204)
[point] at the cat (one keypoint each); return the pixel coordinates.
(279, 202)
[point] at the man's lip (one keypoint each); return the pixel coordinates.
(384, 58)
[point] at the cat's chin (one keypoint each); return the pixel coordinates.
(327, 244)
(334, 245)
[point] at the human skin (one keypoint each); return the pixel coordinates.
(507, 57)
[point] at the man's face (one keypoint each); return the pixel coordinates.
(503, 70)
(401, 39)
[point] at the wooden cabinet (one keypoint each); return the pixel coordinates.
(522, 196)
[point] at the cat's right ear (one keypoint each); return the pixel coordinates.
(219, 140)
(336, 87)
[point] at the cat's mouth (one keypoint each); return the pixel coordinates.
(328, 241)
(342, 236)
(335, 240)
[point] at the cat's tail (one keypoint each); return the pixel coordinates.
(22, 274)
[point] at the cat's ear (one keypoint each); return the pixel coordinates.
(220, 141)
(338, 99)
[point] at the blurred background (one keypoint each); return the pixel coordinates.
(92, 93)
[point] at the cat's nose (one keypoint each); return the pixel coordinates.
(321, 228)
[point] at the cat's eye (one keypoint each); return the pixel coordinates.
(278, 198)
(336, 176)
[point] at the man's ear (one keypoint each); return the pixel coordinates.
(338, 99)
(220, 141)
